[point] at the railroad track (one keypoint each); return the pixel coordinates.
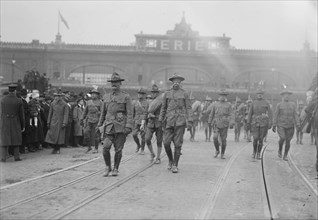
(69, 210)
(63, 186)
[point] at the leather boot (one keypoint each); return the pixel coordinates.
(258, 156)
(136, 139)
(174, 168)
(280, 148)
(169, 155)
(223, 151)
(117, 156)
(254, 148)
(217, 147)
(107, 160)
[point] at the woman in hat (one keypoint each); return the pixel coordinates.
(77, 127)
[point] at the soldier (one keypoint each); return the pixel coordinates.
(153, 124)
(220, 119)
(115, 123)
(247, 129)
(56, 123)
(259, 121)
(299, 132)
(91, 117)
(285, 119)
(139, 109)
(12, 123)
(176, 115)
(238, 119)
(196, 111)
(206, 110)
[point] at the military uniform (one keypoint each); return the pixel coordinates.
(91, 116)
(259, 120)
(285, 119)
(139, 109)
(238, 119)
(176, 115)
(196, 111)
(299, 133)
(153, 124)
(115, 122)
(12, 123)
(247, 129)
(206, 110)
(220, 119)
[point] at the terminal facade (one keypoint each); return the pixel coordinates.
(205, 61)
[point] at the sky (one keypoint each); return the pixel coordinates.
(267, 25)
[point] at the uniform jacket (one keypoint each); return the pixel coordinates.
(12, 120)
(77, 116)
(206, 110)
(92, 111)
(260, 113)
(286, 115)
(221, 115)
(240, 113)
(116, 113)
(140, 109)
(196, 110)
(176, 108)
(58, 115)
(153, 115)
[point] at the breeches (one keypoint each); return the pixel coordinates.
(137, 130)
(259, 133)
(118, 139)
(90, 135)
(149, 133)
(222, 133)
(175, 135)
(285, 134)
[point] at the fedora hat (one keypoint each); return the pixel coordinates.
(115, 78)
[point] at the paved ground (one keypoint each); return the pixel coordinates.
(201, 189)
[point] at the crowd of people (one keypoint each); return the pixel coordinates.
(37, 120)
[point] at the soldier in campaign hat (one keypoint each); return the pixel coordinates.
(285, 121)
(140, 108)
(153, 125)
(115, 123)
(176, 115)
(12, 123)
(259, 121)
(220, 119)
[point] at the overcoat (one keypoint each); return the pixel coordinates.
(58, 116)
(77, 116)
(11, 120)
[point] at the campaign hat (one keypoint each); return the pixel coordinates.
(94, 91)
(176, 76)
(115, 78)
(223, 92)
(154, 88)
(260, 91)
(286, 91)
(142, 91)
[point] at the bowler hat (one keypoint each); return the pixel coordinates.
(175, 76)
(115, 78)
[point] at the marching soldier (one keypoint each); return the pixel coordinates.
(56, 123)
(91, 116)
(196, 111)
(115, 123)
(220, 119)
(139, 110)
(299, 132)
(259, 121)
(285, 119)
(153, 124)
(176, 115)
(238, 118)
(206, 110)
(12, 123)
(247, 129)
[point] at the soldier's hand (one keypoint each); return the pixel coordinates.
(23, 130)
(127, 131)
(63, 125)
(274, 129)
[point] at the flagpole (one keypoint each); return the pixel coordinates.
(58, 22)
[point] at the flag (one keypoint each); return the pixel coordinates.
(63, 20)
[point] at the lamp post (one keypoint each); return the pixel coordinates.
(12, 66)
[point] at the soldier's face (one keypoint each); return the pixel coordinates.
(222, 98)
(154, 94)
(176, 83)
(94, 96)
(141, 95)
(286, 97)
(259, 96)
(115, 85)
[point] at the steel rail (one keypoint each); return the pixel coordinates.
(100, 193)
(208, 206)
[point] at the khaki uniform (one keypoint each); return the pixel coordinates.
(115, 118)
(175, 114)
(285, 118)
(140, 109)
(220, 118)
(239, 120)
(91, 116)
(260, 118)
